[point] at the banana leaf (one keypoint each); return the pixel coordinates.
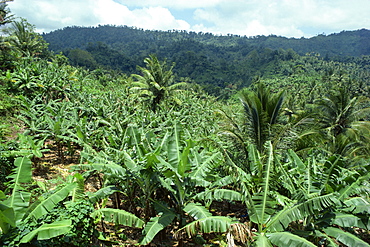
(155, 225)
(287, 239)
(120, 217)
(19, 200)
(48, 231)
(345, 237)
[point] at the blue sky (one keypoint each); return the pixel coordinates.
(289, 18)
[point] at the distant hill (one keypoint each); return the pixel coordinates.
(134, 41)
(206, 58)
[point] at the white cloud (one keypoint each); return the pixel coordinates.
(48, 15)
(291, 18)
(176, 4)
(158, 18)
(286, 17)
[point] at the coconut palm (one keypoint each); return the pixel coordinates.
(343, 121)
(262, 108)
(5, 16)
(156, 82)
(24, 39)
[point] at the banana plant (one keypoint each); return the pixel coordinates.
(185, 170)
(304, 207)
(156, 82)
(308, 216)
(350, 185)
(17, 208)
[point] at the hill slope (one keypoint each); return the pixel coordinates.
(132, 40)
(211, 60)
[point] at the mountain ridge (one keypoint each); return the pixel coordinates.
(345, 43)
(213, 61)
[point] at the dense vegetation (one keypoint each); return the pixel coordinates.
(216, 62)
(97, 157)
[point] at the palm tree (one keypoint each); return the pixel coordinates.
(5, 18)
(24, 39)
(262, 109)
(343, 120)
(156, 81)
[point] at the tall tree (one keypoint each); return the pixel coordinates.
(5, 16)
(262, 108)
(344, 120)
(156, 82)
(22, 36)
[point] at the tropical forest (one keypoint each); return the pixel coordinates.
(119, 136)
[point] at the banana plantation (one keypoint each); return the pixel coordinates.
(100, 158)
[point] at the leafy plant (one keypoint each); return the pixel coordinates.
(156, 83)
(14, 207)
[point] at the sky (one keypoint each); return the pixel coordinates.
(288, 18)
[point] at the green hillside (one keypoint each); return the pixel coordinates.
(225, 147)
(215, 62)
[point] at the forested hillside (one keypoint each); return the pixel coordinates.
(118, 153)
(134, 40)
(216, 62)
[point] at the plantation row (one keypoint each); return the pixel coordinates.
(99, 158)
(296, 176)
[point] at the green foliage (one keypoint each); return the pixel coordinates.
(222, 64)
(156, 82)
(289, 164)
(47, 217)
(24, 39)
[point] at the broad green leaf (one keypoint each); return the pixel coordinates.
(229, 195)
(357, 205)
(296, 161)
(174, 146)
(255, 164)
(134, 139)
(79, 191)
(347, 220)
(45, 206)
(197, 211)
(48, 231)
(328, 240)
(155, 225)
(207, 225)
(183, 165)
(102, 193)
(109, 167)
(262, 241)
(202, 166)
(345, 237)
(19, 200)
(118, 216)
(7, 219)
(350, 189)
(283, 218)
(219, 195)
(2, 195)
(287, 239)
(263, 203)
(130, 163)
